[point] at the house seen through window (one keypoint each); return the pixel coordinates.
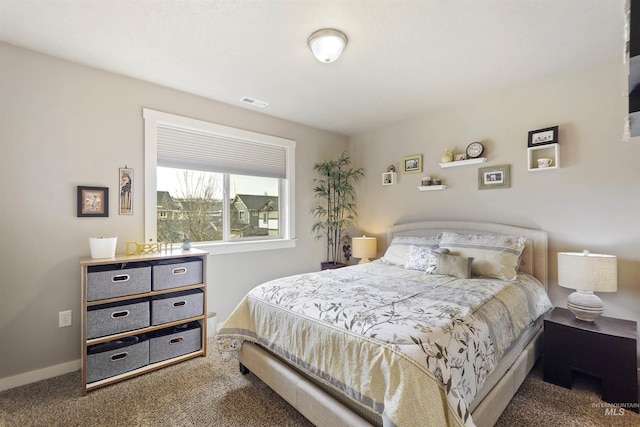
(190, 205)
(217, 185)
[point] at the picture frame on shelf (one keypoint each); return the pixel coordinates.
(93, 201)
(493, 177)
(388, 178)
(543, 136)
(412, 164)
(125, 206)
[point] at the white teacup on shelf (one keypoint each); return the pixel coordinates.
(544, 162)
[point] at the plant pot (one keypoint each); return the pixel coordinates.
(103, 247)
(331, 265)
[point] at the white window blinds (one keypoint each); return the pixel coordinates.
(186, 148)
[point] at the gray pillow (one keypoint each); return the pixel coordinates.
(450, 265)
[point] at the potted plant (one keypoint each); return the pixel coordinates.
(337, 209)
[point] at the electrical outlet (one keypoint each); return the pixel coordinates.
(64, 319)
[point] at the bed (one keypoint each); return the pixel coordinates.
(442, 330)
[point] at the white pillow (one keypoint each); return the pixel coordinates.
(493, 255)
(398, 251)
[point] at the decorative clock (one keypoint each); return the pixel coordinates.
(474, 150)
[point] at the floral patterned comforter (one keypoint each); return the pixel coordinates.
(414, 347)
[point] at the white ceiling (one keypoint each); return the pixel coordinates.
(403, 59)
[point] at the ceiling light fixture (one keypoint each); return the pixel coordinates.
(327, 44)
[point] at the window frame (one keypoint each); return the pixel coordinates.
(287, 185)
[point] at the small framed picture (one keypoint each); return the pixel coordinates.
(388, 178)
(93, 201)
(543, 136)
(126, 191)
(412, 164)
(493, 177)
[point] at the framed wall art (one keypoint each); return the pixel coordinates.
(93, 201)
(543, 136)
(126, 191)
(388, 178)
(493, 177)
(412, 164)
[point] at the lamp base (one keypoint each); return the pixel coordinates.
(364, 261)
(585, 305)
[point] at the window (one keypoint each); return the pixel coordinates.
(212, 184)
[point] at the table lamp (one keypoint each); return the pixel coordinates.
(364, 248)
(587, 273)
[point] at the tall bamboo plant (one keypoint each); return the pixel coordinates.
(337, 210)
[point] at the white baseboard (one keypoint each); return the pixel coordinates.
(39, 374)
(63, 368)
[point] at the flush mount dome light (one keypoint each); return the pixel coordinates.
(327, 44)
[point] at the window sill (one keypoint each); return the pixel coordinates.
(238, 247)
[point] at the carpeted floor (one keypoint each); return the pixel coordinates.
(208, 392)
(538, 403)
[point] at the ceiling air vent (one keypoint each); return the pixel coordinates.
(254, 102)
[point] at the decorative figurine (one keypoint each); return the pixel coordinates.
(346, 247)
(447, 156)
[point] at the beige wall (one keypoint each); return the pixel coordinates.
(591, 202)
(64, 125)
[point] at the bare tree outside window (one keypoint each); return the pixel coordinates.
(194, 210)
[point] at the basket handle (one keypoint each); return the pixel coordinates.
(119, 356)
(120, 314)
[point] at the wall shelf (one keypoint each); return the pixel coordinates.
(463, 162)
(431, 187)
(550, 151)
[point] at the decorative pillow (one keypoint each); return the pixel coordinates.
(417, 258)
(450, 265)
(493, 255)
(398, 251)
(432, 260)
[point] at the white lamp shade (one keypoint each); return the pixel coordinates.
(588, 272)
(327, 44)
(364, 247)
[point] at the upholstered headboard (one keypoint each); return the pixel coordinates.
(534, 256)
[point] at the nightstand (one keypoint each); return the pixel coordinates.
(604, 348)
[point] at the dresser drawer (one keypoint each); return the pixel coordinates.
(177, 306)
(174, 274)
(176, 341)
(116, 357)
(111, 281)
(115, 318)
